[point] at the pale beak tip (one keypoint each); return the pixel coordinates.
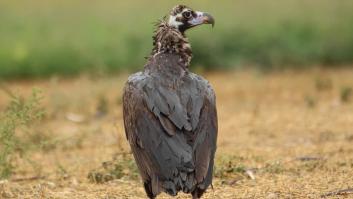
(209, 19)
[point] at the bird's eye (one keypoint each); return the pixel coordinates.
(187, 14)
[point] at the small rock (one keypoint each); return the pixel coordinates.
(272, 196)
(51, 185)
(251, 174)
(76, 118)
(74, 182)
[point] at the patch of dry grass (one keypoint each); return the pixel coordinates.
(291, 130)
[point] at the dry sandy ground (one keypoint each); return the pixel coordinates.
(292, 129)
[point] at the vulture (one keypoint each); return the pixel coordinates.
(170, 115)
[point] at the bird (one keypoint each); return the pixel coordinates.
(170, 114)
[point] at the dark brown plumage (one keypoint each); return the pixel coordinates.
(170, 113)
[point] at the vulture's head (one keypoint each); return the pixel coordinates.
(183, 18)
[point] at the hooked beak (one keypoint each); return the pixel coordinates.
(202, 18)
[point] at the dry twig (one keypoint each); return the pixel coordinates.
(342, 192)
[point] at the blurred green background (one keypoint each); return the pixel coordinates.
(39, 38)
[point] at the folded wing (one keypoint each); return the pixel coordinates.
(172, 131)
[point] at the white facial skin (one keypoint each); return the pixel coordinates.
(173, 22)
(188, 17)
(173, 19)
(197, 20)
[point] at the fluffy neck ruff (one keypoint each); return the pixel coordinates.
(168, 39)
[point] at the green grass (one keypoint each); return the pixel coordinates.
(17, 135)
(40, 38)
